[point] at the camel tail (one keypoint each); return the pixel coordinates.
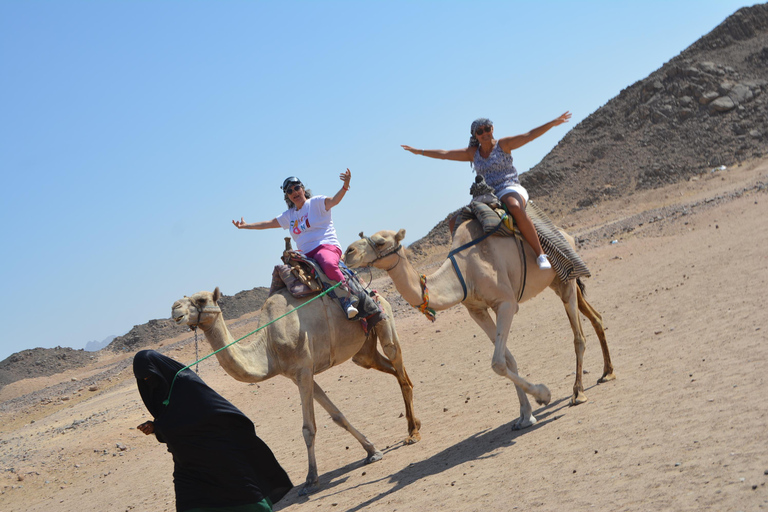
(581, 286)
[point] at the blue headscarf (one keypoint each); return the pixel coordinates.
(477, 123)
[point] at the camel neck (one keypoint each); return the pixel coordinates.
(247, 362)
(443, 286)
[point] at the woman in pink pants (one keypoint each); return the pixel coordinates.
(309, 220)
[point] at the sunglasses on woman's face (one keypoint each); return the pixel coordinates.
(291, 190)
(480, 130)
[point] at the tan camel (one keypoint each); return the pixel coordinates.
(309, 341)
(493, 273)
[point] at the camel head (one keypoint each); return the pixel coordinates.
(379, 250)
(201, 309)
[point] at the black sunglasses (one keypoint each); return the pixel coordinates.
(480, 130)
(291, 190)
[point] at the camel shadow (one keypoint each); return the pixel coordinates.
(475, 447)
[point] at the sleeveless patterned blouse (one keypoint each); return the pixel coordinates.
(497, 169)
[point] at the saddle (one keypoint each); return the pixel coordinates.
(303, 277)
(493, 217)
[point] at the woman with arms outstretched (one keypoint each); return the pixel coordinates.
(492, 159)
(309, 220)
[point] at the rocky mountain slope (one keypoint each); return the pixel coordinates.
(703, 109)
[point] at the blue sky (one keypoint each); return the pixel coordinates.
(132, 133)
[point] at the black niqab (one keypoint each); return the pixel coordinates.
(218, 459)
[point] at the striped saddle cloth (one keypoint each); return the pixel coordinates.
(565, 262)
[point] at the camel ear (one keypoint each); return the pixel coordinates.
(361, 235)
(400, 235)
(216, 294)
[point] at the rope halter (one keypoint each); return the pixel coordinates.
(385, 253)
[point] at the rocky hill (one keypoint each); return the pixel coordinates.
(705, 108)
(154, 331)
(40, 362)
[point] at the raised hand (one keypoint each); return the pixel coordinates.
(562, 119)
(345, 177)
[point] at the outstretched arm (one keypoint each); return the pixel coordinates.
(330, 202)
(267, 224)
(460, 155)
(509, 143)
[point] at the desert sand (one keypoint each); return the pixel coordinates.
(683, 427)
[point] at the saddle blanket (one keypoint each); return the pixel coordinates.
(565, 262)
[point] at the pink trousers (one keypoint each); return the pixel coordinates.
(328, 256)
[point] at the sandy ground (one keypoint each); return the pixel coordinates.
(684, 426)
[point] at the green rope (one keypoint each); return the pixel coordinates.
(168, 400)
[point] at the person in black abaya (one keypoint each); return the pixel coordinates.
(219, 462)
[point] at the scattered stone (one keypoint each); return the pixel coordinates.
(723, 104)
(708, 97)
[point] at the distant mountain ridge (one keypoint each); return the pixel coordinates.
(94, 346)
(41, 362)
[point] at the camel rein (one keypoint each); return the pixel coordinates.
(217, 310)
(467, 246)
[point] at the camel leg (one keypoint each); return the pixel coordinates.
(569, 295)
(305, 382)
(339, 419)
(369, 357)
(508, 368)
(597, 323)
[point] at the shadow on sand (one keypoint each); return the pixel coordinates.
(476, 447)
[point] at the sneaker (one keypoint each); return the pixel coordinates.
(543, 262)
(351, 311)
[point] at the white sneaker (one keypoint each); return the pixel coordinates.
(543, 262)
(351, 312)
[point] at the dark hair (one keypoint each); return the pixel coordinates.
(307, 194)
(477, 123)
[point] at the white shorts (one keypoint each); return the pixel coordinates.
(518, 189)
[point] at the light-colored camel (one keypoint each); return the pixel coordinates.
(309, 341)
(493, 272)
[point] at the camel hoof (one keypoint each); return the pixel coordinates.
(543, 396)
(607, 377)
(579, 398)
(412, 439)
(374, 457)
(521, 423)
(309, 489)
